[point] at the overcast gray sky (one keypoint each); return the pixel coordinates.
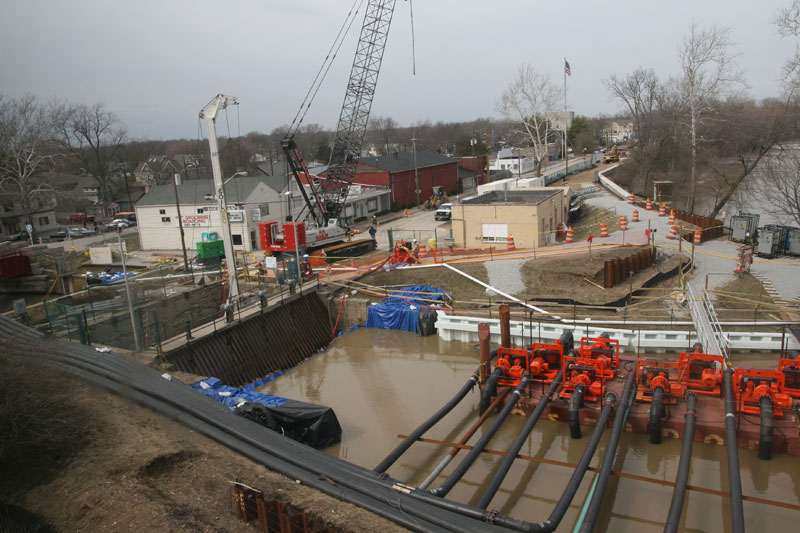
(157, 63)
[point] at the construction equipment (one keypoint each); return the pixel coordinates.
(514, 363)
(601, 347)
(589, 373)
(790, 368)
(325, 196)
(652, 373)
(546, 358)
(701, 373)
(438, 197)
(611, 155)
(750, 385)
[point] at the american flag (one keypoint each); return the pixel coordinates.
(566, 68)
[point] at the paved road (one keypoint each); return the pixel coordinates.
(715, 260)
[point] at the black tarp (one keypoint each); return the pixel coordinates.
(314, 425)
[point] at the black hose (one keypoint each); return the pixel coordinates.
(477, 449)
(656, 414)
(682, 478)
(283, 455)
(734, 481)
(573, 412)
(490, 390)
(767, 428)
(498, 478)
(608, 459)
(425, 426)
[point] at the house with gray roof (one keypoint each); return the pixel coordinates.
(250, 199)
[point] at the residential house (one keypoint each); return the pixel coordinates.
(251, 200)
(13, 219)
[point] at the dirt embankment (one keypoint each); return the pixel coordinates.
(121, 467)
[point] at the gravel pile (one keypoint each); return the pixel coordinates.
(505, 275)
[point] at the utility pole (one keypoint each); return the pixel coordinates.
(416, 170)
(180, 222)
(136, 340)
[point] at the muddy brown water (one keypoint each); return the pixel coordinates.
(383, 383)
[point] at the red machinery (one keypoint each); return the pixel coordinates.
(600, 348)
(402, 254)
(591, 373)
(701, 373)
(751, 384)
(651, 374)
(790, 368)
(514, 362)
(546, 360)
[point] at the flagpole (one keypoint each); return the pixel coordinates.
(566, 161)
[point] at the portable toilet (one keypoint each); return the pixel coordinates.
(768, 242)
(743, 227)
(793, 241)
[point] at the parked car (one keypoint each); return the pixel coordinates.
(79, 231)
(444, 212)
(118, 223)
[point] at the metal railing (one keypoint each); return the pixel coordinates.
(707, 325)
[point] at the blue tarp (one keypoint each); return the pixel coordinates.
(233, 396)
(116, 276)
(393, 316)
(401, 309)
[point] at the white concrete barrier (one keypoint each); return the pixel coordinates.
(611, 186)
(465, 329)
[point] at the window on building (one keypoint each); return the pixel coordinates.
(237, 239)
(44, 221)
(264, 210)
(495, 233)
(253, 241)
(200, 210)
(372, 205)
(166, 220)
(162, 211)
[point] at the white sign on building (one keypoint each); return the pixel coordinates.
(199, 220)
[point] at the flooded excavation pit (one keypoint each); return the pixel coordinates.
(383, 384)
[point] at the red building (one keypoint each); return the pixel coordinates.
(397, 171)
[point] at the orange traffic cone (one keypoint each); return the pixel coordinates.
(635, 216)
(623, 223)
(671, 216)
(570, 235)
(673, 232)
(662, 210)
(405, 213)
(423, 250)
(649, 205)
(631, 199)
(603, 229)
(698, 236)
(511, 246)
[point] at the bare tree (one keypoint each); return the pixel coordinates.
(708, 75)
(787, 19)
(779, 183)
(25, 155)
(93, 137)
(383, 131)
(528, 100)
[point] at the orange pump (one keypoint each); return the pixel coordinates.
(651, 374)
(790, 368)
(546, 360)
(591, 373)
(514, 363)
(751, 384)
(701, 373)
(600, 348)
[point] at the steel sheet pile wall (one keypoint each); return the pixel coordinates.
(712, 228)
(617, 270)
(276, 339)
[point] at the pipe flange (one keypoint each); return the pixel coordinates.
(491, 516)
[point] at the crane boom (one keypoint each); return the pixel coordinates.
(209, 114)
(327, 197)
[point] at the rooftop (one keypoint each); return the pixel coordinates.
(512, 197)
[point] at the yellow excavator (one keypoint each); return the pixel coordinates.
(612, 155)
(438, 198)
